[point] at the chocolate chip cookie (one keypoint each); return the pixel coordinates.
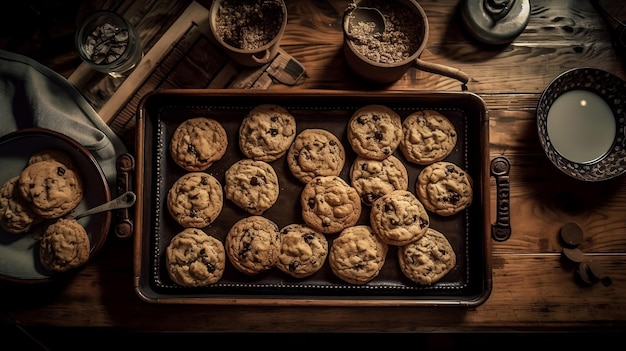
(195, 199)
(399, 218)
(375, 131)
(253, 244)
(357, 255)
(266, 132)
(373, 178)
(315, 152)
(194, 258)
(251, 185)
(51, 188)
(197, 143)
(428, 259)
(303, 250)
(428, 136)
(64, 245)
(444, 188)
(329, 204)
(16, 216)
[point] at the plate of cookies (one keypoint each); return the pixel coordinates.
(326, 197)
(45, 178)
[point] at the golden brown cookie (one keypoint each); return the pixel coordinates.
(303, 250)
(399, 218)
(64, 246)
(428, 259)
(197, 143)
(375, 131)
(428, 136)
(16, 216)
(329, 204)
(357, 255)
(444, 188)
(51, 188)
(253, 244)
(251, 185)
(195, 199)
(373, 178)
(315, 152)
(266, 132)
(54, 155)
(194, 258)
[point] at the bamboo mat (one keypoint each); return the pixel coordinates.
(180, 54)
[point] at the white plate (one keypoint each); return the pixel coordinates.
(19, 259)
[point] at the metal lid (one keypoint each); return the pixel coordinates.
(495, 21)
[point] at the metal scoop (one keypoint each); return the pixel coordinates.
(367, 15)
(123, 201)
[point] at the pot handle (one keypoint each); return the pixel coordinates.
(265, 59)
(443, 70)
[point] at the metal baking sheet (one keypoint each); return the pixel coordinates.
(160, 112)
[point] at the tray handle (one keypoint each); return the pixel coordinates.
(123, 224)
(501, 229)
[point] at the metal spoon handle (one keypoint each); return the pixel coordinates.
(123, 201)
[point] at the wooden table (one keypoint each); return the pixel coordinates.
(532, 289)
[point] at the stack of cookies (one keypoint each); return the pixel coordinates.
(48, 188)
(331, 206)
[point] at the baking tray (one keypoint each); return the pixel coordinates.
(160, 112)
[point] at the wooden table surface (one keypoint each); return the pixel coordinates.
(532, 290)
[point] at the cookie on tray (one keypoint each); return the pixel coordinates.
(252, 244)
(329, 204)
(373, 178)
(193, 258)
(375, 131)
(16, 216)
(303, 250)
(444, 188)
(357, 255)
(54, 155)
(51, 188)
(64, 245)
(266, 132)
(315, 152)
(197, 143)
(195, 199)
(399, 218)
(428, 136)
(251, 185)
(428, 259)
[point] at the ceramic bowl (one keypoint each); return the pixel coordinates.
(580, 122)
(19, 260)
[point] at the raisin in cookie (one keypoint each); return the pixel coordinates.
(373, 178)
(266, 133)
(428, 136)
(399, 218)
(444, 188)
(428, 259)
(64, 245)
(16, 216)
(252, 244)
(195, 199)
(357, 255)
(251, 185)
(315, 152)
(375, 131)
(194, 258)
(51, 188)
(303, 250)
(197, 143)
(329, 204)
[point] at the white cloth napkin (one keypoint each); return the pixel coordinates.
(32, 95)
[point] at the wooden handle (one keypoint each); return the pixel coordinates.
(442, 70)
